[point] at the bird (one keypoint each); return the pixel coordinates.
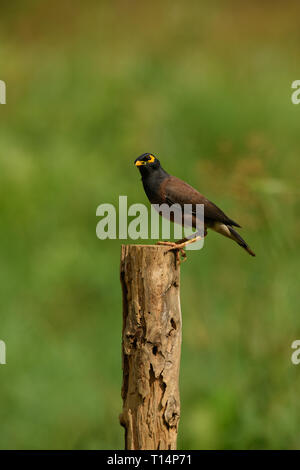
(163, 188)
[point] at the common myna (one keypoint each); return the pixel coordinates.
(160, 188)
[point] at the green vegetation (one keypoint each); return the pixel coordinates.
(207, 89)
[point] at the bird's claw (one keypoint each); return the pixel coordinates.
(179, 247)
(179, 251)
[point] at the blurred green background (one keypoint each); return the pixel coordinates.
(206, 86)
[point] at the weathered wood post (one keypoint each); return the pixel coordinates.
(151, 346)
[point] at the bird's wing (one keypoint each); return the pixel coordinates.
(176, 191)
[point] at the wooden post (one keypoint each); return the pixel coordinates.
(151, 346)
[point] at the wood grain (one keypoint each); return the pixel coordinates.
(151, 346)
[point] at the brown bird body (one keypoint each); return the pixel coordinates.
(160, 188)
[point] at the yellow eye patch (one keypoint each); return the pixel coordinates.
(150, 159)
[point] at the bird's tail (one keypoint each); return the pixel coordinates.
(236, 237)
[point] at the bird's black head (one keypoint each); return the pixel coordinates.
(147, 164)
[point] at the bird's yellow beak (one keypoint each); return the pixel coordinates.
(139, 163)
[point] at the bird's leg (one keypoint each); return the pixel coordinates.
(182, 243)
(187, 241)
(179, 246)
(166, 243)
(179, 242)
(174, 246)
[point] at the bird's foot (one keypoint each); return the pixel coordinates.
(180, 253)
(179, 247)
